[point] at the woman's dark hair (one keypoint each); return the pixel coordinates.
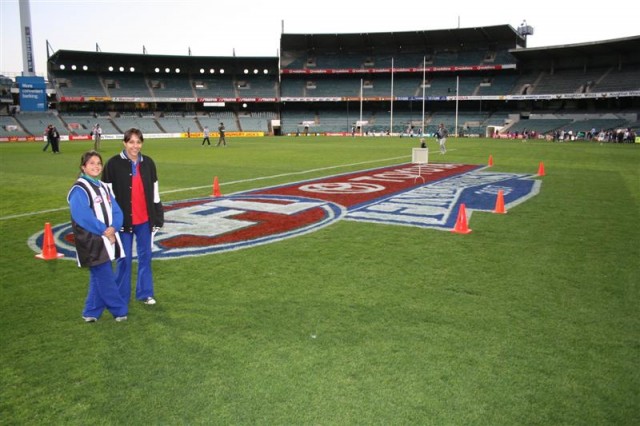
(86, 156)
(131, 132)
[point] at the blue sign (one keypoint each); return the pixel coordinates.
(33, 93)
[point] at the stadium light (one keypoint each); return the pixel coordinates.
(110, 68)
(212, 71)
(121, 69)
(255, 71)
(73, 67)
(265, 71)
(132, 69)
(157, 69)
(85, 68)
(201, 70)
(246, 71)
(177, 70)
(221, 70)
(62, 66)
(167, 70)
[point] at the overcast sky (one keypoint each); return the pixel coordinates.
(253, 27)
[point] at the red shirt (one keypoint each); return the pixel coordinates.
(139, 213)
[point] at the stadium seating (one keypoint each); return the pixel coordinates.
(171, 86)
(10, 127)
(614, 80)
(497, 85)
(213, 86)
(145, 124)
(596, 123)
(213, 120)
(126, 85)
(260, 86)
(86, 84)
(566, 81)
(34, 123)
(340, 75)
(291, 121)
(539, 125)
(295, 87)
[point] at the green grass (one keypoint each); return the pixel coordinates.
(531, 319)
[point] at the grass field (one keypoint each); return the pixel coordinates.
(531, 319)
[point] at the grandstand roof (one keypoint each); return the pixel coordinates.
(500, 35)
(148, 63)
(607, 52)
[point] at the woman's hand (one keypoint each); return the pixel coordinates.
(110, 233)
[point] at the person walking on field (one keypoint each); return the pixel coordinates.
(222, 139)
(47, 137)
(206, 136)
(441, 136)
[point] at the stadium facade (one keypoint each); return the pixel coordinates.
(478, 81)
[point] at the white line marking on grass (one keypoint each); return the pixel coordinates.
(16, 216)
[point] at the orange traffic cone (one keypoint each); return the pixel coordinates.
(216, 188)
(500, 203)
(541, 169)
(461, 223)
(490, 160)
(49, 250)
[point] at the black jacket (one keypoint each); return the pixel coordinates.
(117, 173)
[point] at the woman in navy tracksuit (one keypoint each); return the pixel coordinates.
(95, 219)
(134, 181)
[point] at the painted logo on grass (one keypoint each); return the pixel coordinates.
(427, 196)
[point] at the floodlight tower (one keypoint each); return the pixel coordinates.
(28, 64)
(525, 30)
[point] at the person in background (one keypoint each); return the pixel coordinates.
(206, 136)
(55, 139)
(441, 135)
(222, 139)
(97, 136)
(47, 137)
(95, 220)
(134, 181)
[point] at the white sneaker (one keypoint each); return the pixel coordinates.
(120, 319)
(149, 301)
(90, 319)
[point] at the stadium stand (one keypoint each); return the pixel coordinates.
(539, 125)
(566, 81)
(81, 124)
(9, 127)
(497, 85)
(34, 123)
(213, 86)
(615, 79)
(324, 79)
(126, 85)
(69, 83)
(171, 86)
(126, 121)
